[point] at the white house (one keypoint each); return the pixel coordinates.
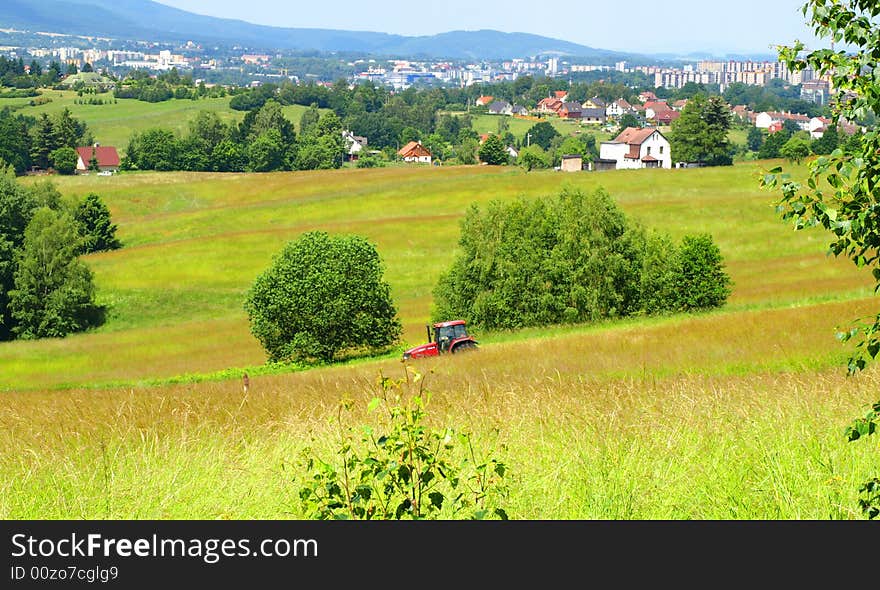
(817, 127)
(618, 108)
(414, 151)
(637, 148)
(767, 118)
(354, 144)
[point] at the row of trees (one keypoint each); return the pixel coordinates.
(45, 289)
(28, 141)
(572, 258)
(141, 85)
(13, 73)
(264, 141)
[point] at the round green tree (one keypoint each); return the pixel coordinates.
(64, 160)
(322, 295)
(493, 151)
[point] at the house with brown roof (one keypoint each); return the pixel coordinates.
(655, 107)
(561, 95)
(414, 151)
(484, 100)
(570, 110)
(666, 117)
(618, 108)
(106, 156)
(636, 148)
(549, 105)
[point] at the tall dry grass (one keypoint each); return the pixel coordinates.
(582, 439)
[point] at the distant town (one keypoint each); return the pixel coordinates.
(240, 67)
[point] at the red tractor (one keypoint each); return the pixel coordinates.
(445, 337)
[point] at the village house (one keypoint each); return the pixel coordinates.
(414, 151)
(655, 107)
(484, 100)
(593, 116)
(618, 108)
(636, 148)
(666, 117)
(594, 103)
(549, 106)
(354, 145)
(561, 95)
(106, 157)
(569, 110)
(766, 119)
(500, 107)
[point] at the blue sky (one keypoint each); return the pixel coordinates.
(649, 26)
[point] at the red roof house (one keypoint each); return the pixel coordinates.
(415, 152)
(107, 157)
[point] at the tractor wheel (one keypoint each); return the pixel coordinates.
(464, 347)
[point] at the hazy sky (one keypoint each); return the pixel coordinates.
(748, 26)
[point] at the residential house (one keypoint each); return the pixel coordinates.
(646, 96)
(636, 148)
(572, 163)
(655, 107)
(106, 156)
(500, 107)
(679, 105)
(741, 111)
(570, 110)
(594, 103)
(765, 119)
(512, 152)
(618, 108)
(549, 106)
(593, 116)
(519, 110)
(414, 151)
(666, 117)
(484, 100)
(818, 126)
(560, 95)
(354, 145)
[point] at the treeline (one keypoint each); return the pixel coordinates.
(264, 141)
(569, 259)
(45, 289)
(14, 74)
(141, 85)
(39, 141)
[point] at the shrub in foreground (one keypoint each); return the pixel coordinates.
(401, 468)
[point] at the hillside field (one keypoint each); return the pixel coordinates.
(738, 413)
(114, 123)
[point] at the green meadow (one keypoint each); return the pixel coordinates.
(114, 123)
(734, 414)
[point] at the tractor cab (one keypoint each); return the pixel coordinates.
(443, 337)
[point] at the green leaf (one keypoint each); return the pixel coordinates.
(436, 499)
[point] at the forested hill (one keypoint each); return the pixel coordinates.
(147, 20)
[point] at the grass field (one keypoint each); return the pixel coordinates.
(738, 413)
(113, 124)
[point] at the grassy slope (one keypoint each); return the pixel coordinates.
(736, 414)
(195, 242)
(113, 124)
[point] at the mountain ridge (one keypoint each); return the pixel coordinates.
(148, 20)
